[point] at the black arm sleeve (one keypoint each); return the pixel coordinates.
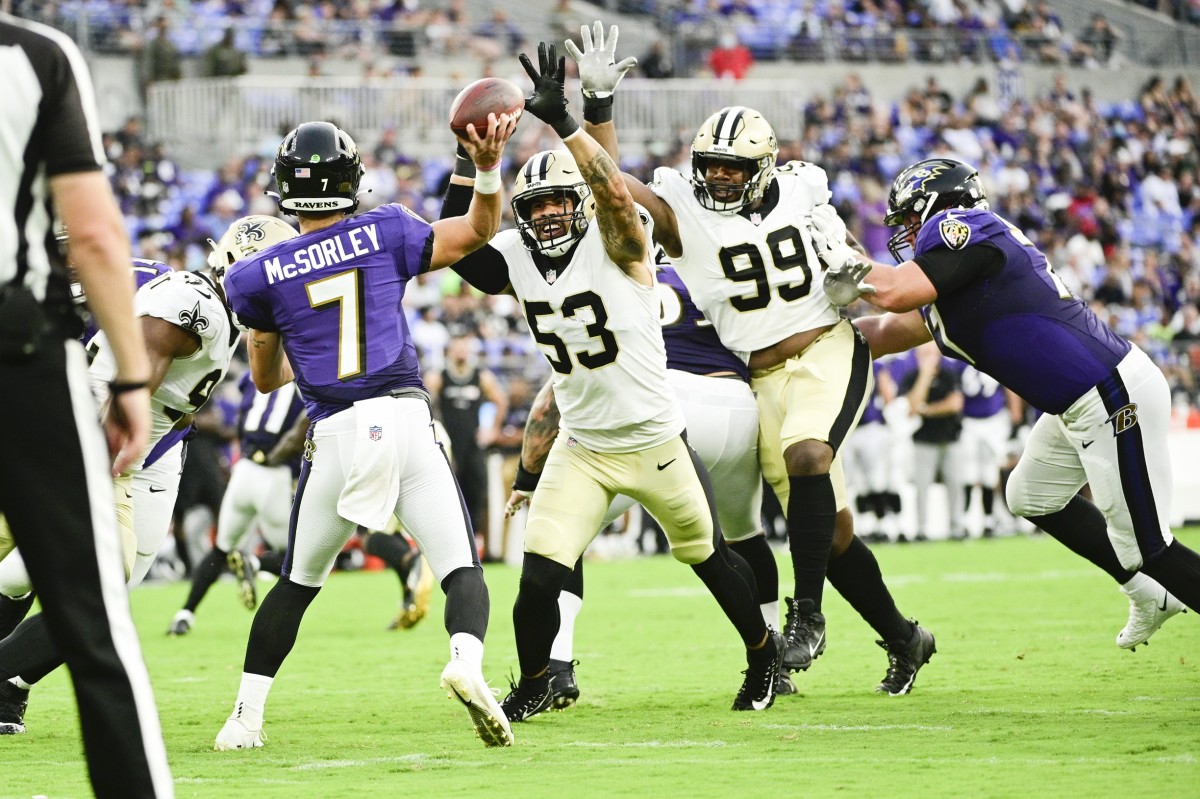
(485, 269)
(949, 270)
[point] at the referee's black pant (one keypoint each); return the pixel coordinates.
(56, 493)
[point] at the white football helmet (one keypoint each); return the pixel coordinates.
(740, 136)
(245, 237)
(547, 173)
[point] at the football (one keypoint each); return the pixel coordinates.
(485, 96)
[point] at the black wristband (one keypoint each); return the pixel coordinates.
(116, 387)
(526, 480)
(597, 110)
(565, 126)
(464, 167)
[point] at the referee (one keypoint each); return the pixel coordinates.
(55, 484)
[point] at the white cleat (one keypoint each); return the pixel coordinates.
(1149, 606)
(467, 685)
(236, 735)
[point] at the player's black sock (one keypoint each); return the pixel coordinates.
(574, 583)
(273, 633)
(880, 504)
(29, 652)
(271, 561)
(468, 605)
(1177, 569)
(12, 612)
(1081, 528)
(391, 549)
(757, 553)
(811, 513)
(893, 501)
(989, 500)
(855, 575)
(722, 574)
(967, 490)
(535, 613)
(862, 503)
(205, 574)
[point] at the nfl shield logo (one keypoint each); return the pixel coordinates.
(551, 275)
(955, 233)
(375, 432)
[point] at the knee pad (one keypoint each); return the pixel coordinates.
(1024, 501)
(542, 575)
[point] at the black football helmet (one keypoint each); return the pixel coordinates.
(317, 169)
(924, 189)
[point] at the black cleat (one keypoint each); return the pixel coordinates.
(758, 689)
(564, 691)
(905, 660)
(805, 636)
(13, 701)
(526, 698)
(784, 685)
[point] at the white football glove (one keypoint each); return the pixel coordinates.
(598, 74)
(846, 283)
(828, 233)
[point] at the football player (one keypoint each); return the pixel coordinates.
(711, 385)
(735, 232)
(579, 263)
(988, 418)
(190, 337)
(976, 285)
(323, 310)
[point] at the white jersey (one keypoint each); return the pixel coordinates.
(599, 329)
(190, 302)
(757, 280)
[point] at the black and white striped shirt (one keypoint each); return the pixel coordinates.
(48, 127)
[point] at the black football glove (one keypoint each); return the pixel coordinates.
(549, 100)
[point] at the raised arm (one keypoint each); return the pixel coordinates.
(620, 226)
(485, 269)
(599, 75)
(457, 236)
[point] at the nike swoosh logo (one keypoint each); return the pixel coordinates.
(1088, 444)
(156, 490)
(812, 649)
(1163, 606)
(662, 466)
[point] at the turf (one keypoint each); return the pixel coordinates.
(1027, 696)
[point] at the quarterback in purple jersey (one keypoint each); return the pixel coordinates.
(324, 309)
(979, 288)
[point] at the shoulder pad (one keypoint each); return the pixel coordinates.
(183, 299)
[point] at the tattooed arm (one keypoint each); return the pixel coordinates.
(620, 225)
(269, 365)
(541, 429)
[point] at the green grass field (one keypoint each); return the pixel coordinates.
(1027, 696)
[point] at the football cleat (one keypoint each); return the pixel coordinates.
(1149, 606)
(244, 568)
(784, 686)
(804, 634)
(236, 735)
(418, 587)
(564, 691)
(905, 660)
(182, 623)
(526, 698)
(758, 689)
(466, 684)
(13, 701)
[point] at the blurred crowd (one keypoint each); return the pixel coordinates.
(727, 36)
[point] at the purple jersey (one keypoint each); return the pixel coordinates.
(263, 419)
(334, 297)
(692, 343)
(983, 397)
(1019, 323)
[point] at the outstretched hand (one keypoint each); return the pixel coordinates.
(548, 102)
(485, 150)
(598, 73)
(847, 282)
